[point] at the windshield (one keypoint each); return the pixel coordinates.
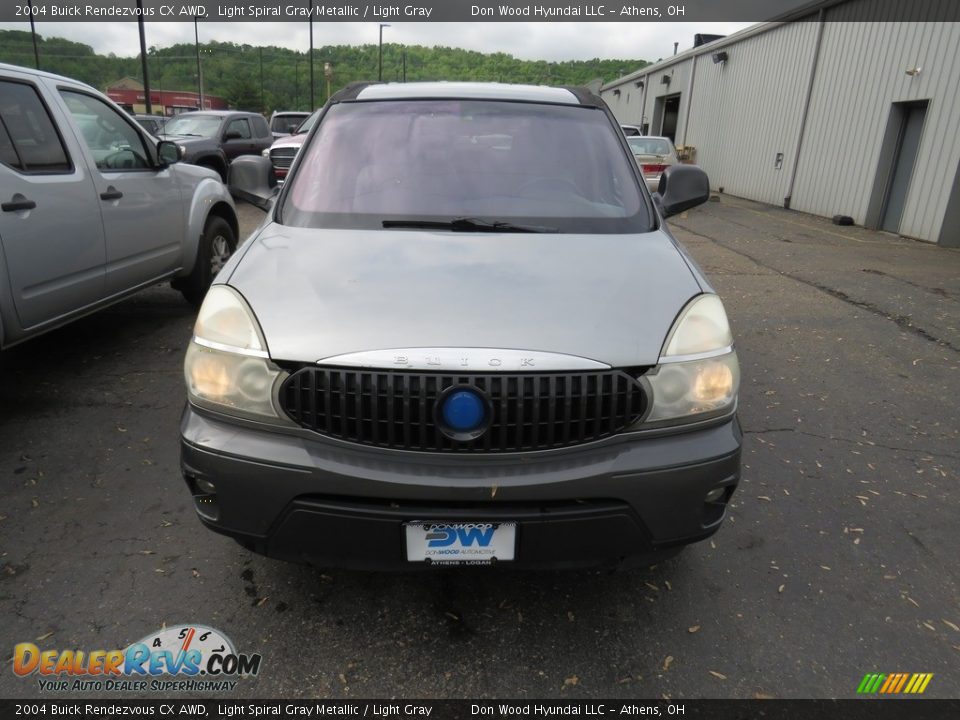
(189, 124)
(286, 123)
(380, 162)
(649, 146)
(307, 124)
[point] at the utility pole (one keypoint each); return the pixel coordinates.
(196, 42)
(143, 60)
(311, 56)
(263, 106)
(404, 64)
(33, 34)
(380, 72)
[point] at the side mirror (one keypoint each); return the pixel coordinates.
(251, 178)
(232, 135)
(168, 152)
(681, 188)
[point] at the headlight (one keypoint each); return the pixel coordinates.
(183, 150)
(698, 375)
(266, 153)
(702, 327)
(228, 367)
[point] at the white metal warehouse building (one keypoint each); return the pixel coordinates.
(828, 114)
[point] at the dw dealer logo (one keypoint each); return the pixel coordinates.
(175, 659)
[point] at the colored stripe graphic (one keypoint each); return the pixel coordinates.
(894, 683)
(891, 681)
(903, 680)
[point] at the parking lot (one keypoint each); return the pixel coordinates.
(838, 558)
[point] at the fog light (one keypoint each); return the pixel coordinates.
(206, 487)
(714, 495)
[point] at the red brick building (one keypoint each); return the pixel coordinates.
(128, 92)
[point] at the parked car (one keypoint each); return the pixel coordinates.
(631, 130)
(213, 138)
(286, 122)
(283, 151)
(450, 344)
(653, 155)
(153, 124)
(93, 208)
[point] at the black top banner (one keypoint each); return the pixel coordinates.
(471, 10)
(914, 709)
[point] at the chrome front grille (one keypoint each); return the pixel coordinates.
(283, 157)
(398, 409)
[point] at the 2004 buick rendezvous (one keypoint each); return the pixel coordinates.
(463, 335)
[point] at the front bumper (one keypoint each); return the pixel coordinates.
(298, 496)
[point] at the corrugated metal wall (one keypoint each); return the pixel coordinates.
(679, 74)
(746, 110)
(861, 73)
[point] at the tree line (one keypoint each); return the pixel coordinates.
(270, 77)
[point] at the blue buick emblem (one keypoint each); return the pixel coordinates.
(463, 411)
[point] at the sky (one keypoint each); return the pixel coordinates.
(552, 41)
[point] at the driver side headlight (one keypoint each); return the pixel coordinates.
(698, 375)
(228, 367)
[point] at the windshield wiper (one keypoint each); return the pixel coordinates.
(469, 224)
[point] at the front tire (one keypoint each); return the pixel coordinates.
(216, 246)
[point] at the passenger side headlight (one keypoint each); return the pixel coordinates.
(698, 375)
(228, 367)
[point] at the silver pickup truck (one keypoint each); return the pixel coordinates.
(92, 208)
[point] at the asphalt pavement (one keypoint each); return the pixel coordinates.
(838, 556)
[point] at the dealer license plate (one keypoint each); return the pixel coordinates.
(467, 543)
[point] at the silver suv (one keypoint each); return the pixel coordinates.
(93, 208)
(463, 335)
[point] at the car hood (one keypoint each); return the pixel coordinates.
(321, 293)
(289, 141)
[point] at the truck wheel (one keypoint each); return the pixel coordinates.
(216, 246)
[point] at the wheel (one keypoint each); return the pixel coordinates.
(216, 246)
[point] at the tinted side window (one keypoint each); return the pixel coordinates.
(113, 141)
(260, 126)
(240, 125)
(28, 139)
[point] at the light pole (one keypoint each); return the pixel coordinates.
(196, 43)
(33, 34)
(380, 72)
(143, 61)
(311, 56)
(328, 74)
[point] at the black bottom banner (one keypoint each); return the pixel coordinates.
(865, 709)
